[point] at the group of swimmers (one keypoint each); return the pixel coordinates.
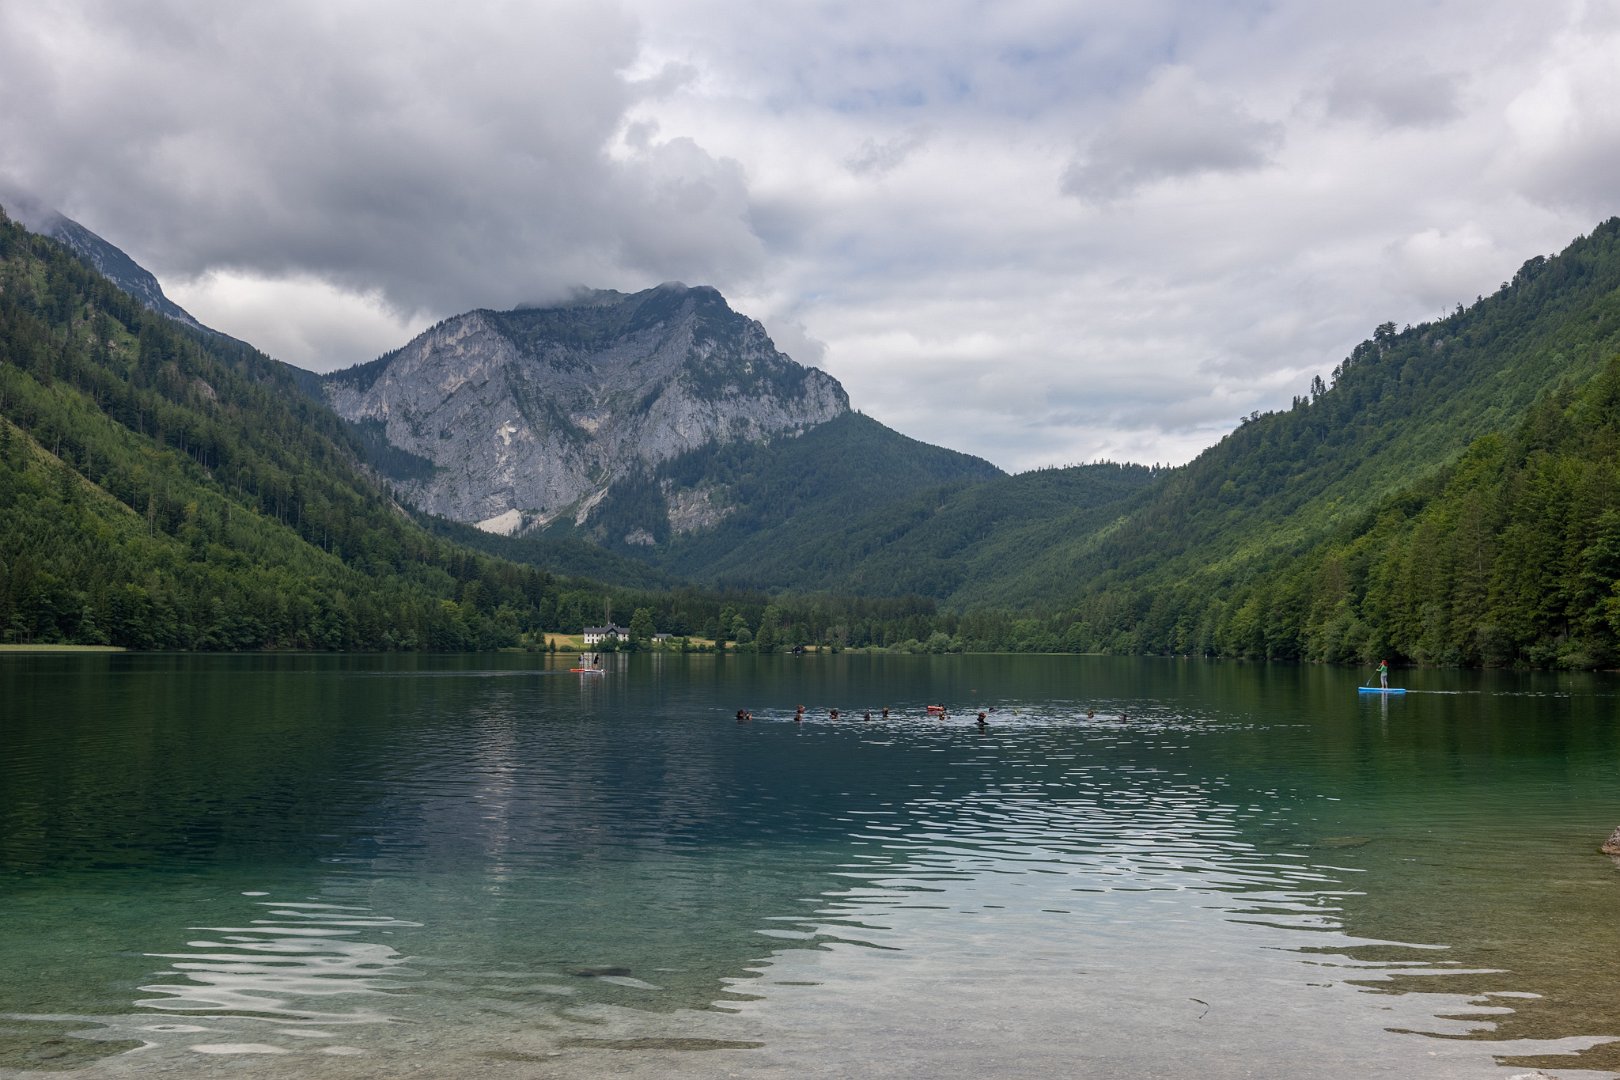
(746, 717)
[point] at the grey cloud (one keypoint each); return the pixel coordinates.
(1177, 127)
(875, 157)
(1397, 96)
(1577, 177)
(448, 162)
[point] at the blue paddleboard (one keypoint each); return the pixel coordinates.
(1379, 690)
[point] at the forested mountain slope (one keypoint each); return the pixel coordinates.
(936, 540)
(1217, 558)
(1404, 405)
(788, 503)
(164, 487)
(1510, 556)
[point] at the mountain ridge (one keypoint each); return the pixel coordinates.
(109, 260)
(530, 415)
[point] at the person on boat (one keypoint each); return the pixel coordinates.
(1383, 674)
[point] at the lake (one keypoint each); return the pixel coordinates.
(364, 866)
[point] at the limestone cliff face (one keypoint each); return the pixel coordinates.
(532, 414)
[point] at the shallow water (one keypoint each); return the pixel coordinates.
(358, 866)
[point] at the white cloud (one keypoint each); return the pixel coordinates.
(1177, 127)
(1565, 124)
(1442, 268)
(329, 321)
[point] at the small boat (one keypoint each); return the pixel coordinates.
(1381, 690)
(936, 709)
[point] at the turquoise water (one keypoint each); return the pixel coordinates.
(362, 866)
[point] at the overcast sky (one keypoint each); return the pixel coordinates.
(1044, 233)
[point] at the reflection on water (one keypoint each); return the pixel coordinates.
(308, 964)
(338, 867)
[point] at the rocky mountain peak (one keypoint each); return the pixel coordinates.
(531, 414)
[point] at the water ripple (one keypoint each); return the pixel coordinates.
(294, 967)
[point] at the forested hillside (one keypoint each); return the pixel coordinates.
(1208, 554)
(162, 487)
(937, 542)
(784, 500)
(1510, 556)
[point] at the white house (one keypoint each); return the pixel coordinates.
(595, 635)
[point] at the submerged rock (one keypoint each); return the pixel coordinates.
(1611, 846)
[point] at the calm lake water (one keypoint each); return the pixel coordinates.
(367, 866)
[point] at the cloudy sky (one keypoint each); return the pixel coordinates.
(1041, 232)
